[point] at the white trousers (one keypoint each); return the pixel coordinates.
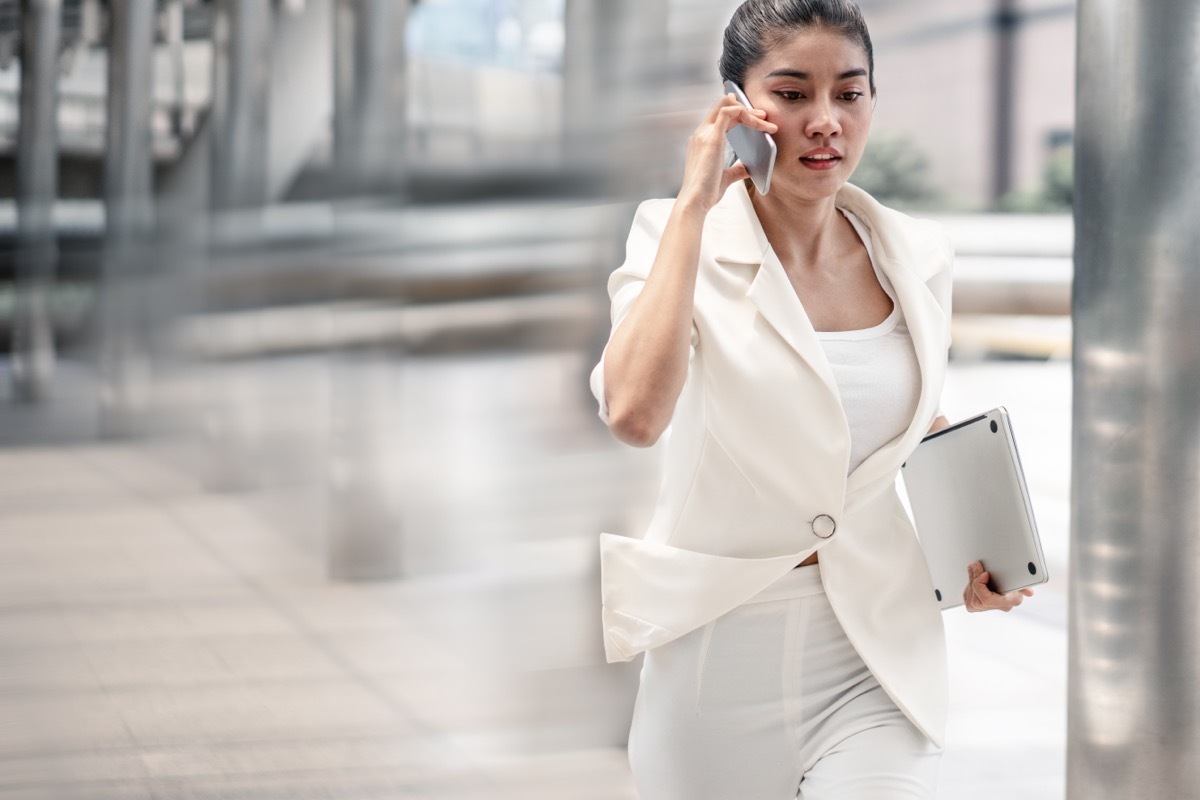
(771, 702)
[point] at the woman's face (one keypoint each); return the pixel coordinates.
(814, 86)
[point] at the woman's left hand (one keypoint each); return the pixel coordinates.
(978, 597)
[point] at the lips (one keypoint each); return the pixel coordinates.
(821, 158)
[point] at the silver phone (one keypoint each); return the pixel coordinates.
(753, 148)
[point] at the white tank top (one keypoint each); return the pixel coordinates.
(876, 371)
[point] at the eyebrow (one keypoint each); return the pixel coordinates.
(804, 76)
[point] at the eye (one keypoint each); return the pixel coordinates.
(850, 96)
(787, 94)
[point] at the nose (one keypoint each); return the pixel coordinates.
(823, 122)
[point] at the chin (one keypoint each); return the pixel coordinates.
(814, 186)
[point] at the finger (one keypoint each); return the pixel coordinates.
(1017, 594)
(735, 173)
(981, 583)
(977, 596)
(985, 597)
(981, 597)
(730, 117)
(1007, 601)
(984, 591)
(970, 600)
(724, 101)
(762, 124)
(756, 118)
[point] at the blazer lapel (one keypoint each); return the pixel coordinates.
(741, 240)
(776, 299)
(926, 321)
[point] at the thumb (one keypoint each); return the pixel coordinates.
(737, 172)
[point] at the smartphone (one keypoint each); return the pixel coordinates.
(753, 148)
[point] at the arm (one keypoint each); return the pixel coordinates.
(647, 356)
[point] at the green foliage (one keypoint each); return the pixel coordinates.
(896, 172)
(1056, 192)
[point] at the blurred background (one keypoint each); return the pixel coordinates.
(300, 477)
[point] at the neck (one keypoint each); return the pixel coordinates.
(800, 229)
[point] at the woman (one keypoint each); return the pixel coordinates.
(795, 343)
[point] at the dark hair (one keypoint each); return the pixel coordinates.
(757, 25)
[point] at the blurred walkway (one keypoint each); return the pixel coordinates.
(161, 641)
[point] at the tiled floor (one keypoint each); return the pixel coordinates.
(158, 640)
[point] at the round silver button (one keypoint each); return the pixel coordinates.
(824, 526)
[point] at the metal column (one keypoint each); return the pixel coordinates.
(1007, 22)
(241, 77)
(583, 83)
(614, 61)
(37, 188)
(1134, 679)
(128, 167)
(370, 57)
(238, 191)
(370, 64)
(129, 212)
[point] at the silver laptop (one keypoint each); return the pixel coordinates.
(969, 501)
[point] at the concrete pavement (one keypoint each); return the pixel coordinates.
(158, 640)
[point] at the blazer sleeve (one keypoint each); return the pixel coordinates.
(628, 280)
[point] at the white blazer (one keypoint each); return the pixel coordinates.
(757, 450)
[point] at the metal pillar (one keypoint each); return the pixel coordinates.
(365, 537)
(241, 77)
(614, 60)
(301, 91)
(37, 187)
(1134, 678)
(583, 85)
(370, 64)
(128, 168)
(237, 191)
(1007, 22)
(129, 209)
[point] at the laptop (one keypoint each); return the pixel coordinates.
(969, 502)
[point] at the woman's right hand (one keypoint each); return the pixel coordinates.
(705, 177)
(646, 361)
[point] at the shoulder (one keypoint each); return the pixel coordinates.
(653, 214)
(645, 232)
(731, 231)
(730, 211)
(921, 243)
(890, 221)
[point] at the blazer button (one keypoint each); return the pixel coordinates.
(824, 526)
